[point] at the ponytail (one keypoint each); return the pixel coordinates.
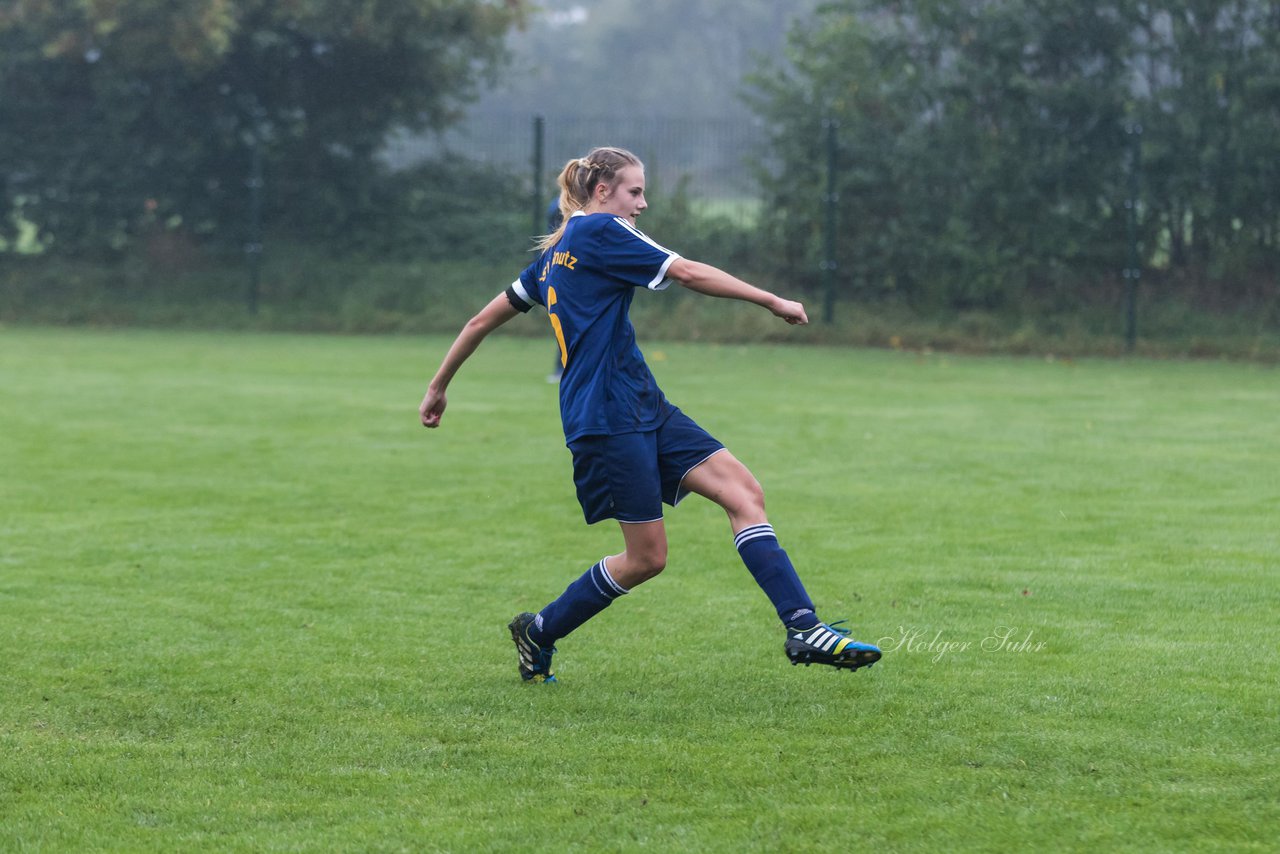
(578, 181)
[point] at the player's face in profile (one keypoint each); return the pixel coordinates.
(626, 197)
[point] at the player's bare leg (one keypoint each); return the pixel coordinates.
(535, 635)
(644, 554)
(726, 481)
(722, 478)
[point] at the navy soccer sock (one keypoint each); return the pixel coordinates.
(772, 570)
(580, 601)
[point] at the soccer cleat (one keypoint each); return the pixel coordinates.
(535, 661)
(829, 644)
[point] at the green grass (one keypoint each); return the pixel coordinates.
(248, 604)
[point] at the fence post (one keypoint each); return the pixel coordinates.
(1134, 268)
(539, 146)
(831, 198)
(253, 245)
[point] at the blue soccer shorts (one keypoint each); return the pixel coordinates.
(628, 477)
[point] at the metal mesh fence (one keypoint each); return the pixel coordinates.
(716, 161)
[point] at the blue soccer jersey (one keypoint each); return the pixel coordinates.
(586, 283)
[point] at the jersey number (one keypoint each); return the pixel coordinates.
(556, 327)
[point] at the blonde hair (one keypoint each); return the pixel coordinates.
(578, 181)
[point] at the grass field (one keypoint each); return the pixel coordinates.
(248, 604)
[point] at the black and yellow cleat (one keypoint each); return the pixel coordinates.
(830, 645)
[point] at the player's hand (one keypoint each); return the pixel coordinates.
(791, 311)
(432, 408)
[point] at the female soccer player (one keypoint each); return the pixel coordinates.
(632, 450)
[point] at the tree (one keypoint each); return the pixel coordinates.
(983, 145)
(976, 141)
(1208, 97)
(119, 113)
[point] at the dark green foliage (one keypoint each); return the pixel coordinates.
(443, 209)
(1211, 120)
(725, 237)
(119, 118)
(983, 150)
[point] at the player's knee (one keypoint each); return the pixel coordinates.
(650, 562)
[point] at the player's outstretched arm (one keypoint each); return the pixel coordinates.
(715, 282)
(493, 315)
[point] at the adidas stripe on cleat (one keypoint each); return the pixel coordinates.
(534, 661)
(829, 644)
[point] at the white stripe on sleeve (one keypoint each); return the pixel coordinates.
(660, 282)
(522, 293)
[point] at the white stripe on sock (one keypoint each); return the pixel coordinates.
(754, 532)
(608, 576)
(596, 584)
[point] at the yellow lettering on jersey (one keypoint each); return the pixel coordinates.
(563, 259)
(556, 327)
(546, 269)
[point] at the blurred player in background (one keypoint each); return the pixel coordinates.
(633, 450)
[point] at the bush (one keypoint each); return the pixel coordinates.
(440, 210)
